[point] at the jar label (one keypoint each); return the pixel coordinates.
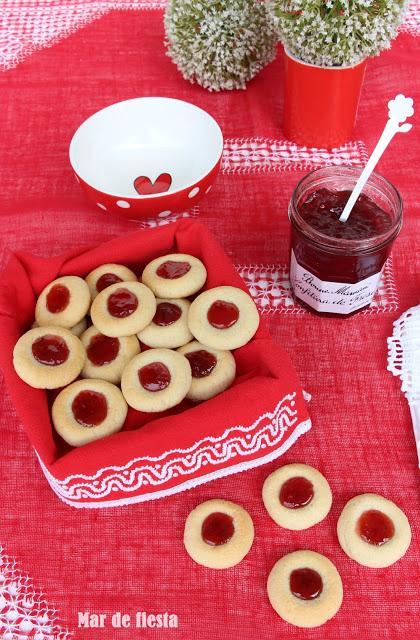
(331, 297)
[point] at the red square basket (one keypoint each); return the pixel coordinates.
(251, 423)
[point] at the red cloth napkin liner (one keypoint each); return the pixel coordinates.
(253, 422)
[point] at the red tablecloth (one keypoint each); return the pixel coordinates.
(61, 62)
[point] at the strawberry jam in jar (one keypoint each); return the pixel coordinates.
(335, 267)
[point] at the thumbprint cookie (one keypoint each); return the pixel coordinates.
(77, 330)
(169, 327)
(223, 318)
(88, 410)
(48, 357)
(123, 309)
(63, 303)
(218, 534)
(156, 380)
(212, 370)
(107, 274)
(106, 357)
(373, 531)
(305, 589)
(297, 496)
(177, 275)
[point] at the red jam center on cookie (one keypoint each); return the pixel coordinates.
(58, 298)
(122, 303)
(305, 584)
(375, 527)
(222, 315)
(296, 493)
(171, 269)
(106, 280)
(217, 529)
(202, 363)
(154, 376)
(50, 350)
(102, 349)
(89, 408)
(166, 313)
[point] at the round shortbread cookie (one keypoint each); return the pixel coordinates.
(156, 380)
(373, 531)
(63, 303)
(77, 330)
(88, 410)
(297, 496)
(48, 357)
(176, 275)
(305, 589)
(123, 309)
(169, 327)
(106, 357)
(107, 274)
(218, 534)
(223, 318)
(212, 370)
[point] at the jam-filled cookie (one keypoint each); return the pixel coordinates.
(177, 275)
(223, 318)
(169, 327)
(373, 531)
(212, 370)
(297, 496)
(63, 302)
(156, 380)
(305, 589)
(218, 534)
(88, 410)
(123, 309)
(48, 357)
(106, 357)
(107, 274)
(77, 330)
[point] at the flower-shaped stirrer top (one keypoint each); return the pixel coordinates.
(400, 108)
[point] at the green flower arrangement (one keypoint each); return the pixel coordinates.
(220, 44)
(336, 32)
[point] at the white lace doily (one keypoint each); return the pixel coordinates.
(404, 362)
(24, 612)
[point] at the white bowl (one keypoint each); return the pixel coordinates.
(119, 153)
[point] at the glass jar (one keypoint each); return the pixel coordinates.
(339, 276)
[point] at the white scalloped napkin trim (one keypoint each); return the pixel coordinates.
(404, 362)
(149, 478)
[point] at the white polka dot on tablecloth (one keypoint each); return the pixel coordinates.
(101, 206)
(164, 214)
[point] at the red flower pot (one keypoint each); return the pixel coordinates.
(320, 102)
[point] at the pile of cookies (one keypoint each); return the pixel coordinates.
(303, 587)
(148, 347)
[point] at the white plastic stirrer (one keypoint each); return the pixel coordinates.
(400, 108)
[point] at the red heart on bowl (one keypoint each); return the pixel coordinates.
(145, 187)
